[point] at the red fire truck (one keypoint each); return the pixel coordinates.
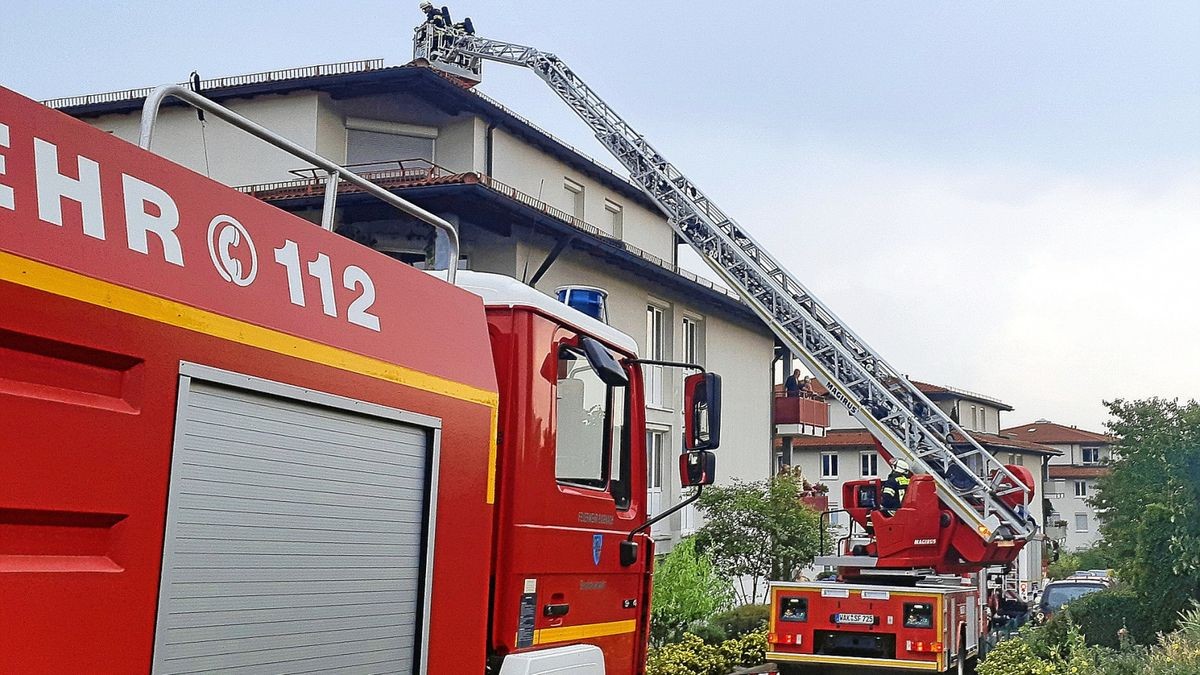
(910, 592)
(236, 442)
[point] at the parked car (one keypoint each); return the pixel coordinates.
(1059, 594)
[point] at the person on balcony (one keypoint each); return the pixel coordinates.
(791, 386)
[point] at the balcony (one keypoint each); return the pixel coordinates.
(800, 416)
(1052, 491)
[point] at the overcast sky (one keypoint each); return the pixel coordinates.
(1000, 197)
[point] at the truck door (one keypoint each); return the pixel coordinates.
(577, 489)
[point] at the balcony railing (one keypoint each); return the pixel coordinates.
(801, 411)
(341, 68)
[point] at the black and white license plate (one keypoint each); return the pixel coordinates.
(857, 619)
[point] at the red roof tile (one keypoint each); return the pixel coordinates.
(1043, 431)
(1078, 471)
(861, 438)
(837, 438)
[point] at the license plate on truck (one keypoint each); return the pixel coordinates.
(857, 619)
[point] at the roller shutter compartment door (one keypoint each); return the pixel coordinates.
(294, 535)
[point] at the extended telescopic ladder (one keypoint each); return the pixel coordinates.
(972, 482)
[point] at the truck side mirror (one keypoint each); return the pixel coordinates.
(601, 360)
(702, 412)
(697, 468)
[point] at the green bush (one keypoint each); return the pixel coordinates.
(709, 632)
(686, 592)
(1059, 648)
(1095, 558)
(692, 656)
(1030, 654)
(741, 620)
(1102, 616)
(1012, 657)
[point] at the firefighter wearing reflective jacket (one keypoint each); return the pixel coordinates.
(894, 487)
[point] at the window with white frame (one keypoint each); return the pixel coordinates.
(1081, 522)
(692, 341)
(614, 214)
(1091, 455)
(574, 197)
(829, 465)
(982, 418)
(655, 350)
(1081, 488)
(869, 462)
(974, 418)
(656, 442)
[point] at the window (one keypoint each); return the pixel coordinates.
(1013, 459)
(870, 464)
(656, 441)
(1081, 488)
(614, 213)
(620, 483)
(829, 465)
(982, 418)
(1091, 455)
(691, 341)
(574, 197)
(584, 422)
(1081, 522)
(655, 341)
(378, 150)
(836, 516)
(974, 419)
(687, 520)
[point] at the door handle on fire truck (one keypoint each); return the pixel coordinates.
(553, 611)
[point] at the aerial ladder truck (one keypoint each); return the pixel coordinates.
(901, 600)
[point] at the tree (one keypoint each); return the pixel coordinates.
(761, 531)
(1098, 557)
(1149, 504)
(686, 591)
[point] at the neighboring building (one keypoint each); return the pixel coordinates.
(526, 205)
(1072, 477)
(847, 452)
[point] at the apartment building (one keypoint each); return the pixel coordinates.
(1071, 482)
(526, 204)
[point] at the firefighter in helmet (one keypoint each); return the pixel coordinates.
(433, 16)
(895, 486)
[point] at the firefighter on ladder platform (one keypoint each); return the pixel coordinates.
(894, 487)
